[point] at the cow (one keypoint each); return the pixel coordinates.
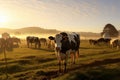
(16, 40)
(115, 43)
(103, 40)
(44, 41)
(51, 38)
(66, 44)
(51, 42)
(92, 42)
(33, 39)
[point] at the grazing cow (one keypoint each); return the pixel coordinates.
(51, 42)
(92, 42)
(44, 41)
(66, 44)
(103, 40)
(115, 43)
(51, 38)
(35, 40)
(16, 40)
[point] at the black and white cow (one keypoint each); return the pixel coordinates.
(115, 43)
(65, 45)
(32, 39)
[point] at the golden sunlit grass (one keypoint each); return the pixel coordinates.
(94, 63)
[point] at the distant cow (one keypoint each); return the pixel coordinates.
(32, 39)
(103, 40)
(16, 40)
(115, 43)
(43, 41)
(92, 42)
(51, 42)
(51, 38)
(66, 44)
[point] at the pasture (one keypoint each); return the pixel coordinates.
(94, 63)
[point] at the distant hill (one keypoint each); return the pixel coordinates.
(2, 30)
(29, 30)
(38, 30)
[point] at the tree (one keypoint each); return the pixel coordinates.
(109, 28)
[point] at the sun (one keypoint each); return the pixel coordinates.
(4, 17)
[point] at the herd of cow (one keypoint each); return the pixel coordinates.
(68, 44)
(109, 42)
(65, 45)
(38, 41)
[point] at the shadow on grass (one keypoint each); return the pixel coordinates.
(41, 60)
(49, 50)
(100, 74)
(91, 47)
(99, 53)
(12, 69)
(87, 72)
(102, 62)
(36, 59)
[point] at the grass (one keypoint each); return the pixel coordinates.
(94, 63)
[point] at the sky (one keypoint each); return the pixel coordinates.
(64, 15)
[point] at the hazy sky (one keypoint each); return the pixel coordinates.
(65, 15)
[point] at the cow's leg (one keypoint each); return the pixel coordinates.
(73, 57)
(35, 45)
(31, 44)
(38, 45)
(65, 65)
(77, 53)
(28, 44)
(59, 66)
(118, 46)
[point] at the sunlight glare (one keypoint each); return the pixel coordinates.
(3, 17)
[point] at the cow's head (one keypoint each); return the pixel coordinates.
(58, 44)
(62, 42)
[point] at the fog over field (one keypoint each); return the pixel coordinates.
(43, 33)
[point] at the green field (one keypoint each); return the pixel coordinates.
(94, 63)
